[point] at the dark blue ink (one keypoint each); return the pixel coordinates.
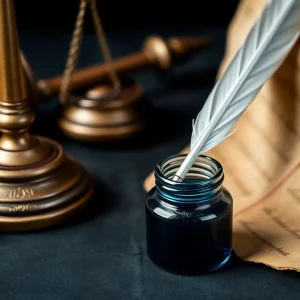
(189, 223)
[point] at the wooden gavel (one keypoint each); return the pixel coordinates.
(157, 53)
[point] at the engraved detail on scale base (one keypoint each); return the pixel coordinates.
(18, 192)
(27, 207)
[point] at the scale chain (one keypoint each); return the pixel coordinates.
(76, 41)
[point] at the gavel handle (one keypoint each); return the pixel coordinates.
(93, 75)
(157, 53)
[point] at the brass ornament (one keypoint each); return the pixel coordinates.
(39, 184)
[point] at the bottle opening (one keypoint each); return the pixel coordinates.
(203, 182)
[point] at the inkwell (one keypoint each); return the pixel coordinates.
(189, 212)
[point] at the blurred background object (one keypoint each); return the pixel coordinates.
(46, 32)
(96, 122)
(157, 54)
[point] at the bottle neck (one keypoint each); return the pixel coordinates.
(203, 185)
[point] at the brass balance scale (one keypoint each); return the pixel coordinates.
(40, 185)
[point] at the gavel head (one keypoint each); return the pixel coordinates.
(102, 114)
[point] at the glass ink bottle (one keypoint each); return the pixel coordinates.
(189, 223)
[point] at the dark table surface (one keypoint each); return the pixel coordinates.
(102, 255)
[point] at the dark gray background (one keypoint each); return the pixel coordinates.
(119, 14)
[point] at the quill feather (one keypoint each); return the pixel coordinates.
(266, 46)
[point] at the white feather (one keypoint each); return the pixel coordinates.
(265, 48)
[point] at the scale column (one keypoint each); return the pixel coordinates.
(39, 185)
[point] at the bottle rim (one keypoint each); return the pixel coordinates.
(202, 184)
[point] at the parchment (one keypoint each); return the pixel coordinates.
(261, 160)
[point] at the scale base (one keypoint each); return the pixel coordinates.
(43, 193)
(123, 116)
